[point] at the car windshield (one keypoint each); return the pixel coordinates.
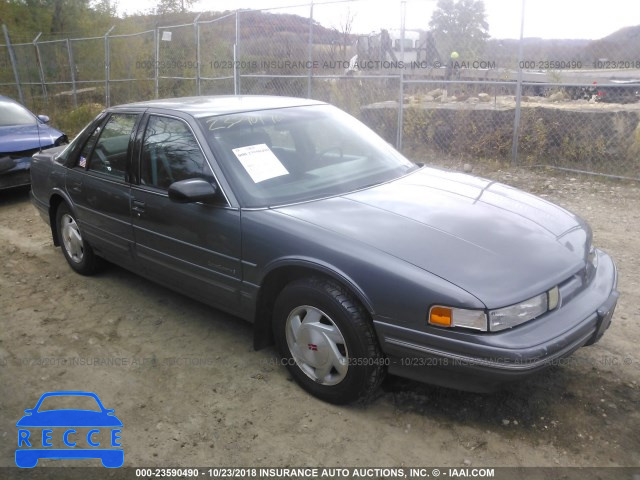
(12, 113)
(291, 155)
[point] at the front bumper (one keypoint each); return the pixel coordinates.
(484, 362)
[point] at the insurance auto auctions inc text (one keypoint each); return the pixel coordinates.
(363, 472)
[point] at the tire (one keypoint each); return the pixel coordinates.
(327, 341)
(75, 248)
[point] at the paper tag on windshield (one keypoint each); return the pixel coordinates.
(260, 162)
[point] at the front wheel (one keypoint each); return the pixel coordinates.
(327, 341)
(76, 250)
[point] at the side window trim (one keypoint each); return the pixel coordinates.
(78, 152)
(136, 153)
(70, 157)
(131, 148)
(144, 124)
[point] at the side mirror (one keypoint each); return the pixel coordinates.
(192, 190)
(44, 118)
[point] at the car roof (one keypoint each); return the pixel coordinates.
(221, 104)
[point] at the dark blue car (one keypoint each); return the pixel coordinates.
(87, 431)
(21, 135)
(352, 259)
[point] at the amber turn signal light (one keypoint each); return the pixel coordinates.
(440, 316)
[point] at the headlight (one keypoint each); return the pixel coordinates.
(63, 140)
(498, 319)
(523, 312)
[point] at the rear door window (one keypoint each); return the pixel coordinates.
(109, 157)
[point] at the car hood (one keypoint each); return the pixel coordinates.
(496, 242)
(69, 418)
(18, 138)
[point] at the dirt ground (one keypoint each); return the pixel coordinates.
(190, 390)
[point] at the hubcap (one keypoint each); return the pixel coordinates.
(71, 238)
(317, 345)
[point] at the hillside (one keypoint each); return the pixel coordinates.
(622, 45)
(25, 21)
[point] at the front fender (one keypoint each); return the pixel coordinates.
(322, 267)
(390, 288)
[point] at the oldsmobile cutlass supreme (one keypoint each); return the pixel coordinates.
(352, 259)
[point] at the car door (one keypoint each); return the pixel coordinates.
(191, 247)
(99, 187)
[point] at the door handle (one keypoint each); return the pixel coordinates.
(75, 187)
(138, 207)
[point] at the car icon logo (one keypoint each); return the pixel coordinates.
(88, 431)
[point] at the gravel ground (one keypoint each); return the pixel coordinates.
(190, 390)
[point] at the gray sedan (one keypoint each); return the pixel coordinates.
(353, 260)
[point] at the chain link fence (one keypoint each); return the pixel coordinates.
(89, 72)
(128, 55)
(215, 51)
(569, 104)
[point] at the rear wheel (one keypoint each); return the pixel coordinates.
(327, 341)
(75, 248)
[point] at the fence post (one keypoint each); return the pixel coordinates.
(107, 68)
(156, 60)
(72, 69)
(236, 54)
(310, 52)
(196, 26)
(12, 57)
(40, 69)
(403, 17)
(516, 122)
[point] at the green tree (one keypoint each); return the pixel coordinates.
(105, 7)
(460, 26)
(173, 6)
(24, 18)
(67, 15)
